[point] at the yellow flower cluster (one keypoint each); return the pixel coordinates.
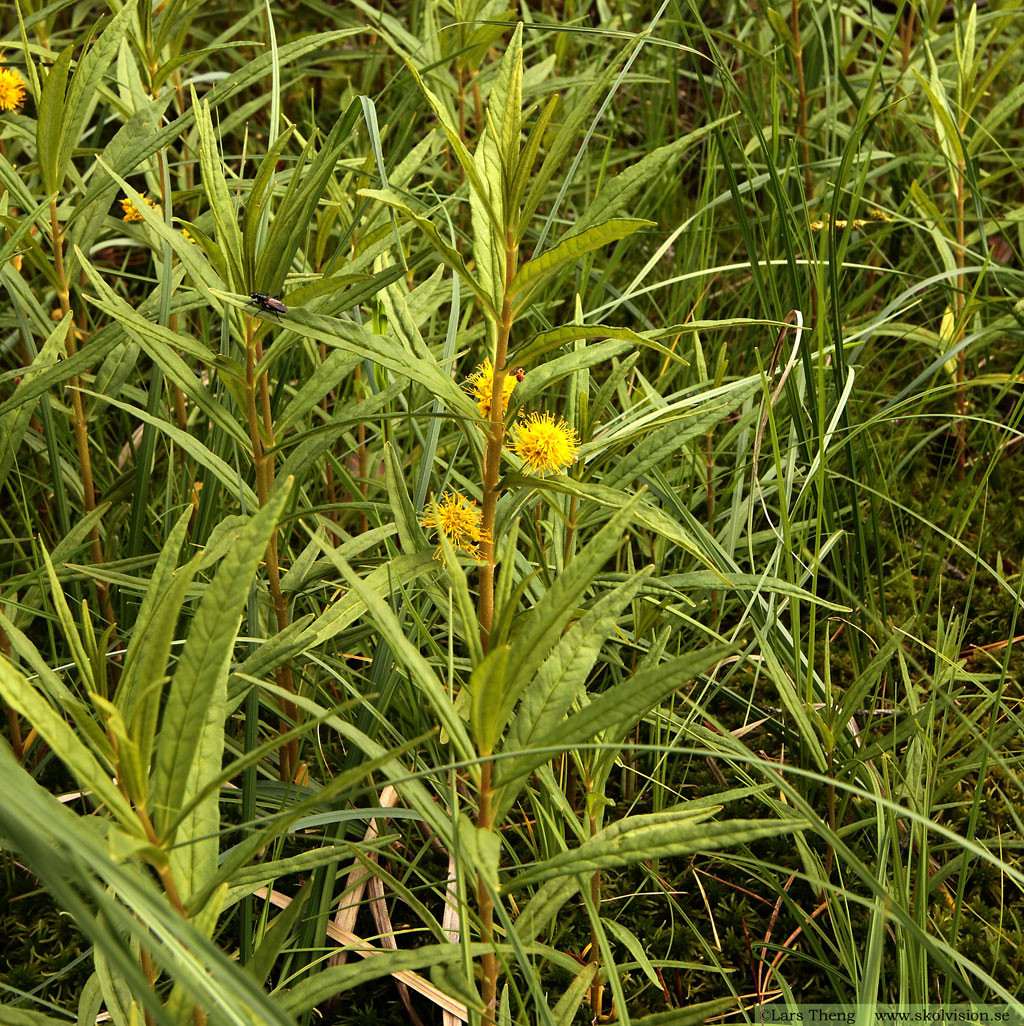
(131, 212)
(544, 444)
(459, 519)
(481, 384)
(859, 222)
(12, 89)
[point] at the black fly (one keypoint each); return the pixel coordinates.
(268, 303)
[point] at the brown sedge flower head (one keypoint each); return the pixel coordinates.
(459, 519)
(12, 89)
(544, 444)
(481, 382)
(131, 212)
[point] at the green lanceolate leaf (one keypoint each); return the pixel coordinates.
(339, 979)
(646, 514)
(401, 570)
(505, 103)
(670, 834)
(573, 248)
(487, 687)
(555, 338)
(199, 452)
(567, 136)
(615, 710)
(21, 695)
(564, 1013)
(203, 265)
(29, 1017)
(278, 934)
(545, 623)
(489, 256)
(83, 663)
(620, 192)
(462, 154)
(482, 850)
(561, 680)
(116, 906)
(51, 114)
(14, 420)
(161, 344)
(412, 659)
(297, 208)
(191, 741)
(140, 690)
(225, 216)
(256, 206)
(355, 338)
(528, 156)
(62, 116)
(655, 440)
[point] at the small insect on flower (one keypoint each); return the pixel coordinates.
(519, 374)
(268, 303)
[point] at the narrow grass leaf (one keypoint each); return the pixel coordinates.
(449, 254)
(199, 452)
(409, 656)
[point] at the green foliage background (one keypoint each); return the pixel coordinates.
(727, 714)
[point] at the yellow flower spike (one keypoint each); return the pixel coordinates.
(131, 213)
(544, 444)
(459, 519)
(12, 89)
(480, 383)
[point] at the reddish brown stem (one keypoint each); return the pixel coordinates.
(488, 963)
(493, 447)
(264, 466)
(79, 419)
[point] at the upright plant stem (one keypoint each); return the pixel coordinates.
(264, 465)
(491, 472)
(493, 447)
(488, 963)
(79, 421)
